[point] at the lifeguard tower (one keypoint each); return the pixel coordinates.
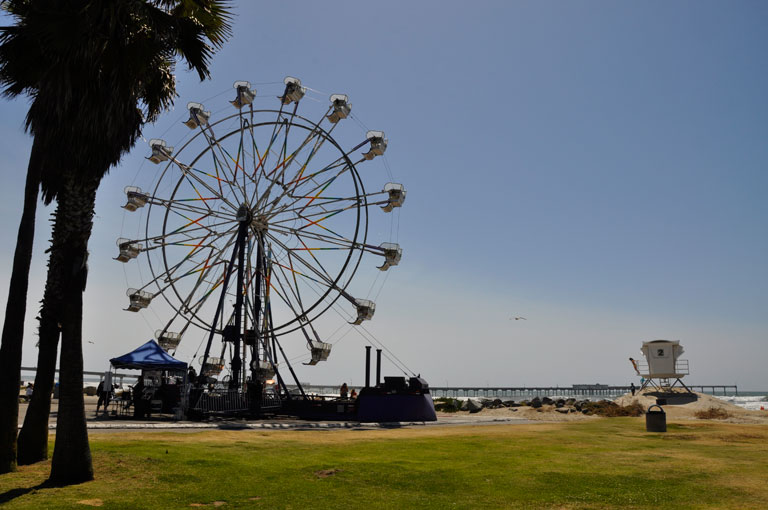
(662, 364)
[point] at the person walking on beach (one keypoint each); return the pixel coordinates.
(28, 392)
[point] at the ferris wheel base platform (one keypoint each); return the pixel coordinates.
(373, 406)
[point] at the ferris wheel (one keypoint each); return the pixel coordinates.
(256, 226)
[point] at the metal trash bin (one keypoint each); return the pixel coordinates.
(655, 421)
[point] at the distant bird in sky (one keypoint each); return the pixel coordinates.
(518, 318)
(90, 342)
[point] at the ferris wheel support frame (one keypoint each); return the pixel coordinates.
(238, 253)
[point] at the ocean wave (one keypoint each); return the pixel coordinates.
(751, 402)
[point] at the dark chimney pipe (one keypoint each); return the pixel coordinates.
(367, 366)
(378, 367)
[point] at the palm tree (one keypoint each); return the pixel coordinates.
(110, 71)
(13, 327)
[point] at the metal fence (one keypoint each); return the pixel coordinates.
(224, 400)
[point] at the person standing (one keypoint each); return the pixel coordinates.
(344, 391)
(100, 393)
(632, 388)
(105, 391)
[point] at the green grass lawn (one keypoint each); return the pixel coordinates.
(607, 463)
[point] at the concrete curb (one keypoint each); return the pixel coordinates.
(243, 426)
(286, 426)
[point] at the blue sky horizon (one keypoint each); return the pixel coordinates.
(599, 168)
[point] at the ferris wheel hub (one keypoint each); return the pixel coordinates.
(260, 223)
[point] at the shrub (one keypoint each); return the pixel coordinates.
(611, 409)
(713, 413)
(447, 405)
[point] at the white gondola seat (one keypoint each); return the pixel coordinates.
(263, 370)
(378, 144)
(197, 116)
(245, 94)
(293, 91)
(160, 151)
(167, 340)
(128, 250)
(341, 108)
(136, 198)
(319, 351)
(365, 310)
(396, 196)
(138, 299)
(392, 255)
(212, 367)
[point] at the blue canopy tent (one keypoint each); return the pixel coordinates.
(151, 395)
(149, 356)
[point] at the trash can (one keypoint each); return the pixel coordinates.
(655, 421)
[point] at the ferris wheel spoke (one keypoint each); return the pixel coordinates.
(310, 180)
(315, 149)
(185, 228)
(286, 188)
(316, 236)
(184, 205)
(297, 180)
(341, 160)
(209, 264)
(199, 267)
(324, 275)
(277, 127)
(321, 187)
(283, 167)
(329, 214)
(189, 176)
(260, 167)
(285, 294)
(231, 176)
(312, 134)
(318, 278)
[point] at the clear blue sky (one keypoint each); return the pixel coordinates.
(600, 168)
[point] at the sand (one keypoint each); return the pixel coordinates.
(703, 402)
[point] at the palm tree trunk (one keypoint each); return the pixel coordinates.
(33, 438)
(71, 461)
(15, 311)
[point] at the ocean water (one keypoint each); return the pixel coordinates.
(752, 400)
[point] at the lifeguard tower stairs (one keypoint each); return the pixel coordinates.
(662, 368)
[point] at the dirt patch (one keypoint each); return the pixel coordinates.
(91, 502)
(325, 473)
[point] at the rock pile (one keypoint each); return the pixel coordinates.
(563, 406)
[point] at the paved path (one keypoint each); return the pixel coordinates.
(108, 423)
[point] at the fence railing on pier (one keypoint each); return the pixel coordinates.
(551, 391)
